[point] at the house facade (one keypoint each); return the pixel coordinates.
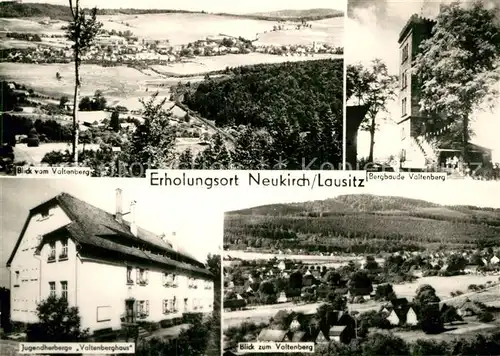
(114, 271)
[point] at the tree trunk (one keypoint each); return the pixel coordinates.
(75, 109)
(465, 139)
(372, 139)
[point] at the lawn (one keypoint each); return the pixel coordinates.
(35, 154)
(208, 64)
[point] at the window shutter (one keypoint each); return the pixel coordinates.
(138, 275)
(147, 307)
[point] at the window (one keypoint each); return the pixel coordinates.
(404, 53)
(16, 282)
(174, 280)
(142, 276)
(64, 250)
(176, 305)
(404, 80)
(403, 107)
(129, 275)
(64, 290)
(52, 252)
(143, 309)
(52, 289)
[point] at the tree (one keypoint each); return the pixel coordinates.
(427, 303)
(186, 159)
(115, 121)
(424, 347)
(295, 280)
(374, 87)
(337, 301)
(385, 344)
(456, 263)
(153, 142)
(57, 322)
(360, 283)
(82, 32)
(449, 314)
(385, 292)
(267, 292)
(457, 67)
(332, 277)
(63, 101)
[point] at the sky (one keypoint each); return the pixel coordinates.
(197, 215)
(236, 7)
(376, 25)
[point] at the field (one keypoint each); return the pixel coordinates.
(112, 81)
(329, 31)
(444, 285)
(32, 25)
(184, 28)
(208, 64)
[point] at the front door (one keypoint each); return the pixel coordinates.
(129, 311)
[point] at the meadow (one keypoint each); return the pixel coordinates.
(328, 31)
(112, 81)
(201, 65)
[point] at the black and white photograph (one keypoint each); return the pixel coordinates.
(422, 86)
(125, 86)
(406, 270)
(109, 260)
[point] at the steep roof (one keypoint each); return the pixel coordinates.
(336, 330)
(415, 20)
(272, 335)
(93, 227)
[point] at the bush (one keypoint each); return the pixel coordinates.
(485, 317)
(33, 142)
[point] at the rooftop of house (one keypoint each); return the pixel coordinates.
(413, 21)
(95, 229)
(272, 335)
(336, 330)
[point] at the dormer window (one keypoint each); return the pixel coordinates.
(16, 284)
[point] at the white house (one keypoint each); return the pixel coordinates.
(494, 260)
(282, 298)
(112, 270)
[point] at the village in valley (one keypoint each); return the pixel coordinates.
(275, 293)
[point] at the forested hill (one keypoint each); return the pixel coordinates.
(309, 14)
(291, 110)
(11, 9)
(363, 223)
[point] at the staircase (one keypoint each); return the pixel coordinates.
(142, 333)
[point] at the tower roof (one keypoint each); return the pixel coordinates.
(415, 20)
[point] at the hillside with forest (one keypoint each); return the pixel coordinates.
(13, 9)
(291, 110)
(363, 224)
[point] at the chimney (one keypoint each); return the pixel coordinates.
(133, 225)
(118, 209)
(173, 241)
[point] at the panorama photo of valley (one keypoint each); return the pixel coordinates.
(206, 87)
(364, 274)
